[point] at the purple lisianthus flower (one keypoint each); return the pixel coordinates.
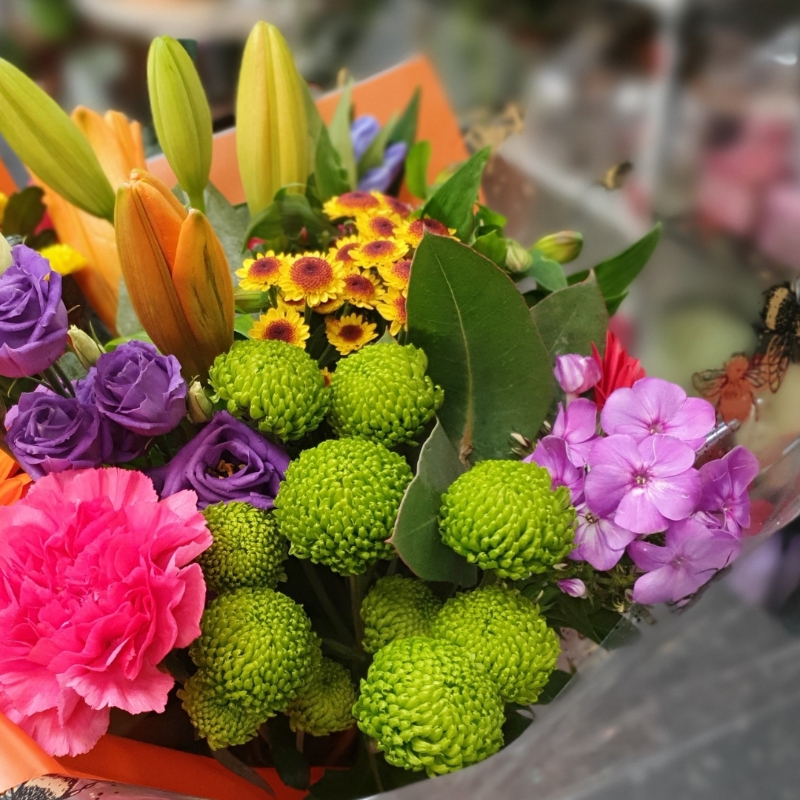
(574, 587)
(380, 178)
(33, 318)
(363, 131)
(600, 542)
(576, 374)
(140, 389)
(724, 502)
(577, 426)
(551, 453)
(49, 433)
(644, 485)
(226, 461)
(690, 557)
(654, 406)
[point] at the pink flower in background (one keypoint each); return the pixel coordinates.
(653, 406)
(574, 587)
(642, 486)
(577, 426)
(690, 557)
(551, 453)
(576, 374)
(724, 502)
(98, 587)
(600, 542)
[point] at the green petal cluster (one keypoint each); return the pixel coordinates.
(430, 706)
(274, 383)
(338, 503)
(256, 651)
(325, 703)
(396, 608)
(382, 393)
(248, 548)
(502, 630)
(504, 515)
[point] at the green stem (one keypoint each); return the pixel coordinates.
(64, 379)
(51, 379)
(342, 650)
(355, 609)
(325, 358)
(197, 201)
(325, 601)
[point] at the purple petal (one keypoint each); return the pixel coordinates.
(660, 400)
(619, 451)
(363, 131)
(623, 414)
(675, 497)
(637, 512)
(743, 467)
(605, 486)
(574, 587)
(551, 453)
(693, 422)
(649, 557)
(600, 542)
(666, 456)
(576, 374)
(577, 422)
(667, 584)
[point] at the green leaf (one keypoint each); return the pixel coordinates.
(613, 303)
(292, 765)
(453, 201)
(578, 614)
(417, 169)
(570, 319)
(416, 532)
(339, 130)
(230, 223)
(238, 767)
(315, 124)
(487, 220)
(127, 322)
(548, 273)
(71, 367)
(406, 128)
(286, 216)
(24, 212)
(482, 347)
(373, 156)
(492, 246)
(516, 723)
(331, 176)
(558, 680)
(243, 324)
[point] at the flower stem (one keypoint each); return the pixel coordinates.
(355, 610)
(64, 379)
(51, 379)
(343, 650)
(325, 601)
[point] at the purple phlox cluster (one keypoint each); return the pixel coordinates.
(576, 374)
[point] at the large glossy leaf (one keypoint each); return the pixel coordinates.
(482, 346)
(416, 533)
(570, 319)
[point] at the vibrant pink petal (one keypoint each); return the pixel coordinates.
(648, 556)
(574, 587)
(675, 497)
(693, 422)
(604, 487)
(666, 456)
(552, 454)
(665, 585)
(576, 374)
(637, 512)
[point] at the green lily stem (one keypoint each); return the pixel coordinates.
(198, 201)
(325, 601)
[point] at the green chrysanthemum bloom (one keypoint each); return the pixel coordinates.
(504, 515)
(502, 630)
(382, 393)
(221, 722)
(256, 649)
(338, 503)
(396, 608)
(278, 385)
(248, 548)
(430, 706)
(325, 703)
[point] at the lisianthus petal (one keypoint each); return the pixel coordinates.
(666, 455)
(637, 512)
(693, 422)
(675, 497)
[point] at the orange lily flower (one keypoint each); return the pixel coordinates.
(13, 481)
(176, 273)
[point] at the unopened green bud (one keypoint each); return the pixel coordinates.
(563, 247)
(85, 347)
(518, 259)
(200, 407)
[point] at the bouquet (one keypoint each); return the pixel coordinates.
(343, 458)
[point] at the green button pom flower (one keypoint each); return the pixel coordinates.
(430, 706)
(248, 548)
(382, 393)
(339, 501)
(274, 383)
(503, 631)
(325, 703)
(504, 515)
(396, 608)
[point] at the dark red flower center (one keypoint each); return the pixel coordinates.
(350, 333)
(380, 248)
(282, 330)
(382, 225)
(343, 253)
(358, 200)
(359, 285)
(264, 267)
(311, 273)
(402, 269)
(420, 226)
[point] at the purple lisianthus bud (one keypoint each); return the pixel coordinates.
(33, 319)
(49, 433)
(226, 461)
(380, 178)
(140, 389)
(363, 131)
(574, 587)
(576, 374)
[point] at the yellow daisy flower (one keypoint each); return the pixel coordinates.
(416, 229)
(328, 308)
(285, 325)
(380, 252)
(260, 274)
(393, 309)
(64, 259)
(378, 226)
(311, 277)
(349, 333)
(342, 251)
(396, 275)
(394, 205)
(297, 305)
(350, 204)
(361, 289)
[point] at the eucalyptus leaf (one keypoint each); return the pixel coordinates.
(373, 156)
(23, 213)
(331, 176)
(417, 169)
(549, 274)
(482, 347)
(416, 534)
(230, 223)
(406, 128)
(339, 131)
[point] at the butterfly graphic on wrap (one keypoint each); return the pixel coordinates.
(731, 390)
(779, 337)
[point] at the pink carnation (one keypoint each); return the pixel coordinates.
(98, 586)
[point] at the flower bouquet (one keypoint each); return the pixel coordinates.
(329, 463)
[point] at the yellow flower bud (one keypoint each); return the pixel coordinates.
(563, 247)
(518, 259)
(85, 347)
(200, 407)
(271, 121)
(181, 115)
(50, 144)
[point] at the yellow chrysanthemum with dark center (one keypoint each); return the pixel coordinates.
(392, 307)
(361, 289)
(416, 229)
(396, 608)
(328, 308)
(395, 206)
(283, 325)
(380, 252)
(342, 251)
(349, 333)
(504, 515)
(64, 259)
(383, 393)
(378, 226)
(339, 502)
(504, 632)
(262, 273)
(430, 707)
(325, 703)
(396, 275)
(350, 204)
(311, 277)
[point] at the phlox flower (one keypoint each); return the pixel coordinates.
(598, 541)
(551, 453)
(724, 502)
(576, 374)
(576, 424)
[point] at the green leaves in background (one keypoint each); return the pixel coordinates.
(282, 222)
(453, 202)
(330, 175)
(416, 533)
(493, 246)
(549, 274)
(570, 319)
(339, 130)
(24, 212)
(417, 162)
(230, 223)
(482, 346)
(576, 613)
(406, 128)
